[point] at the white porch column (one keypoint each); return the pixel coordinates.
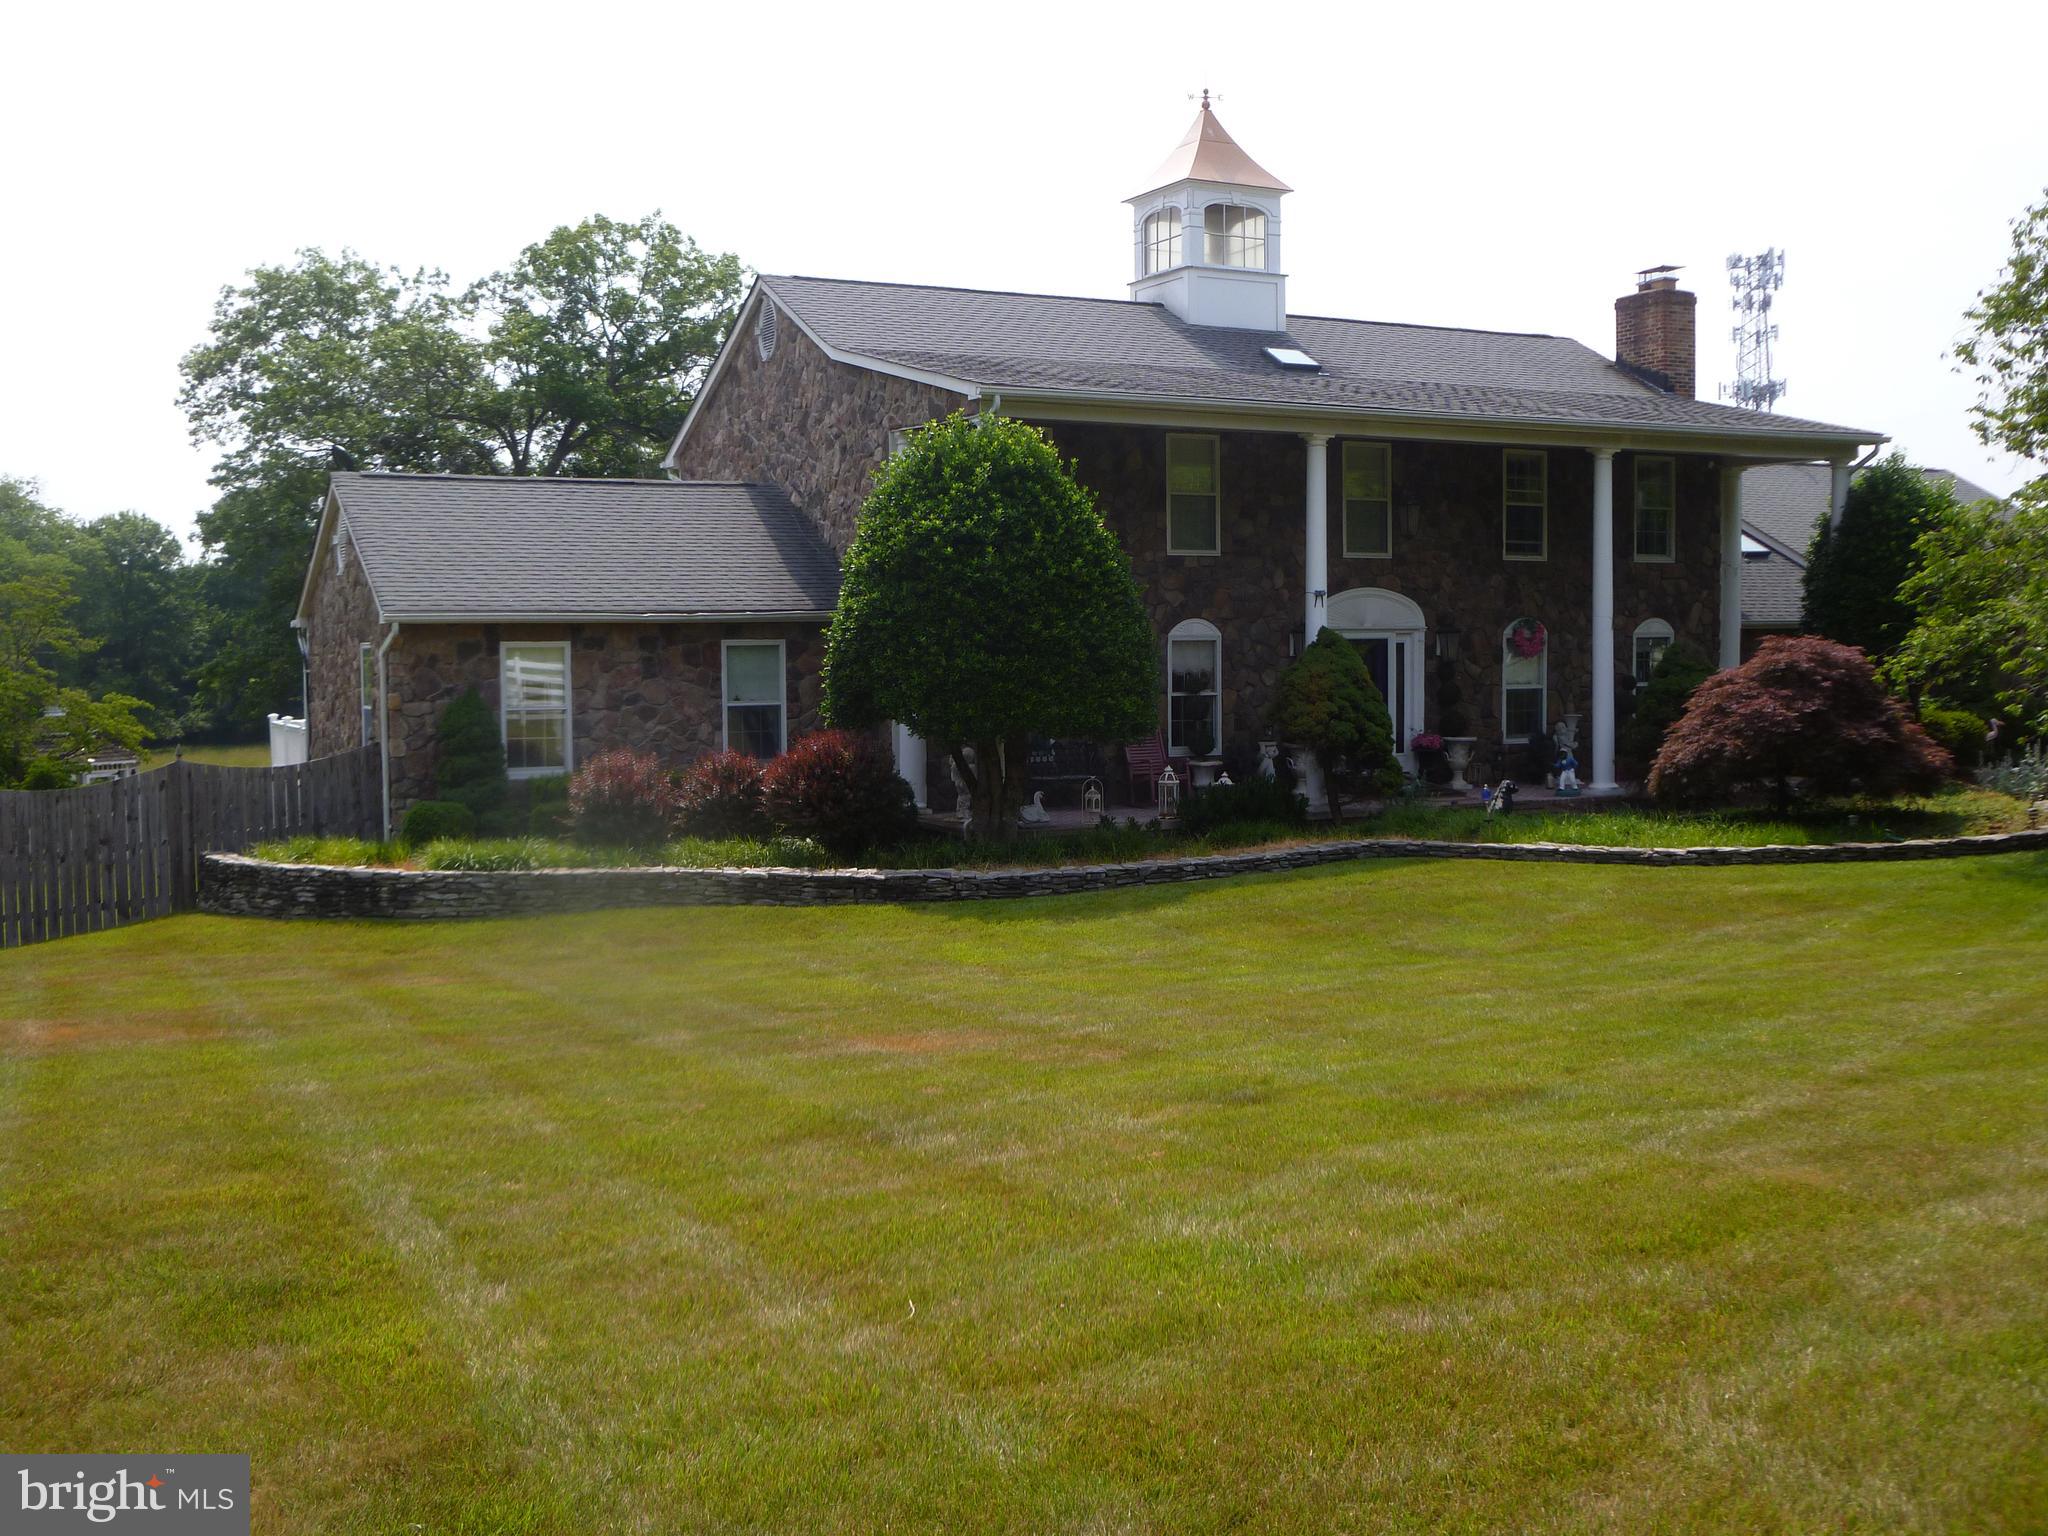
(1316, 514)
(1838, 493)
(1731, 565)
(1603, 622)
(910, 761)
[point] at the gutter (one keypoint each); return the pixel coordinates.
(384, 726)
(772, 616)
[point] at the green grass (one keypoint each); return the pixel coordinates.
(1954, 812)
(248, 754)
(1411, 1196)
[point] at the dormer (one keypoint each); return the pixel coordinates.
(1207, 234)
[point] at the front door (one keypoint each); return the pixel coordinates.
(1386, 658)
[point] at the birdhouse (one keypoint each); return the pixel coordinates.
(1169, 796)
(1091, 797)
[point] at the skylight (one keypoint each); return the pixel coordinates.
(1752, 548)
(1291, 357)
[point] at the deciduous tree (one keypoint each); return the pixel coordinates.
(985, 602)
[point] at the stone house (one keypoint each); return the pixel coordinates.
(1516, 521)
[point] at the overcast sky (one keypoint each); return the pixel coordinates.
(1461, 165)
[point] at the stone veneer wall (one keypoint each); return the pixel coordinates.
(652, 687)
(234, 885)
(1447, 501)
(798, 420)
(343, 618)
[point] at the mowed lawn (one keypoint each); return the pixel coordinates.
(1413, 1196)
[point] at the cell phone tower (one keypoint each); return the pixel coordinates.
(1755, 279)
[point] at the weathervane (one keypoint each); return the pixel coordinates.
(1205, 97)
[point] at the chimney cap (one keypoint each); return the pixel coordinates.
(1657, 277)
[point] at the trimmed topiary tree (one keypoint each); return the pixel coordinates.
(840, 788)
(1328, 703)
(1958, 732)
(1802, 708)
(469, 762)
(985, 602)
(1657, 708)
(431, 820)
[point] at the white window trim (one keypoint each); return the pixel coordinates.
(1265, 262)
(1541, 685)
(1344, 503)
(1177, 241)
(1196, 629)
(1542, 458)
(781, 693)
(366, 707)
(1636, 512)
(568, 709)
(1654, 629)
(1215, 443)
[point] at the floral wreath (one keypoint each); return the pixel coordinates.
(1528, 638)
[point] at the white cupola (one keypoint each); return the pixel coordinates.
(1206, 235)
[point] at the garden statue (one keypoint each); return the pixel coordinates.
(1567, 770)
(1268, 752)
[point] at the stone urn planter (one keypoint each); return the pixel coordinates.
(1308, 779)
(1459, 750)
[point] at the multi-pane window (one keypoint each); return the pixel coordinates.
(1653, 639)
(1193, 498)
(1525, 515)
(755, 699)
(534, 683)
(1162, 240)
(1236, 236)
(1194, 718)
(1525, 657)
(366, 690)
(1656, 508)
(1368, 500)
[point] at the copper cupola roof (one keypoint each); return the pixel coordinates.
(1209, 153)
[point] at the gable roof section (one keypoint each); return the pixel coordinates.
(483, 548)
(1035, 345)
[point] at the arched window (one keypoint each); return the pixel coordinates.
(1236, 236)
(1194, 689)
(1162, 240)
(1524, 677)
(1653, 639)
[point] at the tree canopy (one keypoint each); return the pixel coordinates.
(2009, 345)
(1854, 571)
(580, 358)
(984, 602)
(1802, 708)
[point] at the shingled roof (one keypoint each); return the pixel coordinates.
(1037, 344)
(450, 548)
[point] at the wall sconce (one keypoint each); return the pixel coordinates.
(1446, 642)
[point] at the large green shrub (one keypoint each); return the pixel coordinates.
(1327, 702)
(1854, 571)
(1657, 708)
(1959, 733)
(985, 602)
(431, 820)
(469, 763)
(841, 789)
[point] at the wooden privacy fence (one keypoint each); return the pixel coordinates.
(78, 860)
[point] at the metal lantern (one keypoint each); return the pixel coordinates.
(1091, 797)
(1169, 796)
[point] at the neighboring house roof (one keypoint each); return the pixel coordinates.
(1042, 346)
(1208, 153)
(454, 548)
(1781, 504)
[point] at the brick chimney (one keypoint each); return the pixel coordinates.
(1653, 331)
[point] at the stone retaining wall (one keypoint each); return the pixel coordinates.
(230, 883)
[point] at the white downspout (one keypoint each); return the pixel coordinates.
(384, 727)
